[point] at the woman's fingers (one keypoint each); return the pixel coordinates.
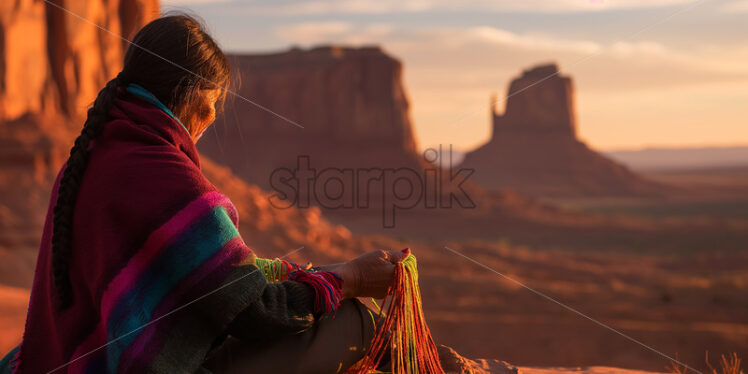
(372, 273)
(396, 255)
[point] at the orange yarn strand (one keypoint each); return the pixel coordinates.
(411, 346)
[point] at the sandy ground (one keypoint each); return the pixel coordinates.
(672, 303)
(586, 370)
(679, 306)
(13, 314)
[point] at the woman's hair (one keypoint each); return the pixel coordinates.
(173, 58)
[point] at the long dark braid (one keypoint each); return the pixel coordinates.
(67, 194)
(173, 58)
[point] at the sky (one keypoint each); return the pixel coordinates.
(647, 73)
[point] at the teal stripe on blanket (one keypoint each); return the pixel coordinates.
(193, 246)
(5, 362)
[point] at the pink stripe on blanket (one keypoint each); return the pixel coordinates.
(147, 345)
(156, 243)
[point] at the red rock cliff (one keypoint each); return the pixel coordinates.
(53, 61)
(350, 102)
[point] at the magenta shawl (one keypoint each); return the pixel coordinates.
(158, 268)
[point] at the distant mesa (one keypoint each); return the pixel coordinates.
(342, 107)
(542, 101)
(534, 147)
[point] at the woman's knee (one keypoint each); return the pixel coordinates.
(331, 345)
(339, 341)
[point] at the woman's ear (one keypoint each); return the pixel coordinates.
(204, 112)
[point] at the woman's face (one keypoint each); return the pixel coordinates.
(205, 114)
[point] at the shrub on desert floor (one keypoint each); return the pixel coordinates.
(729, 364)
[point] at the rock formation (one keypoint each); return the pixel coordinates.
(24, 78)
(59, 62)
(345, 113)
(343, 107)
(52, 65)
(534, 148)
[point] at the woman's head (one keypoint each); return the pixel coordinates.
(176, 60)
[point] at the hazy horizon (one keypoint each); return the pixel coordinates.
(647, 74)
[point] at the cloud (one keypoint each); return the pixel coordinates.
(487, 47)
(628, 49)
(492, 46)
(313, 32)
(326, 7)
(738, 6)
(494, 35)
(376, 33)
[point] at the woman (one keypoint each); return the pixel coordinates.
(141, 268)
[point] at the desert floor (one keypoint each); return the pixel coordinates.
(681, 304)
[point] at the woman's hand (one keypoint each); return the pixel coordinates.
(370, 274)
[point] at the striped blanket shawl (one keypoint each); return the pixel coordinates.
(158, 268)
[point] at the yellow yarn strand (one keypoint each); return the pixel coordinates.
(273, 270)
(411, 347)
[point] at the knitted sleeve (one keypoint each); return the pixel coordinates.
(290, 302)
(284, 308)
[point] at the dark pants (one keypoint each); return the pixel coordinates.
(332, 345)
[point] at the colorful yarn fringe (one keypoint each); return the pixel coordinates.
(410, 344)
(327, 285)
(275, 270)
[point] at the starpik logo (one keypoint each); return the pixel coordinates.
(390, 189)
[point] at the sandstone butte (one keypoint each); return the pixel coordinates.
(535, 148)
(51, 67)
(343, 108)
